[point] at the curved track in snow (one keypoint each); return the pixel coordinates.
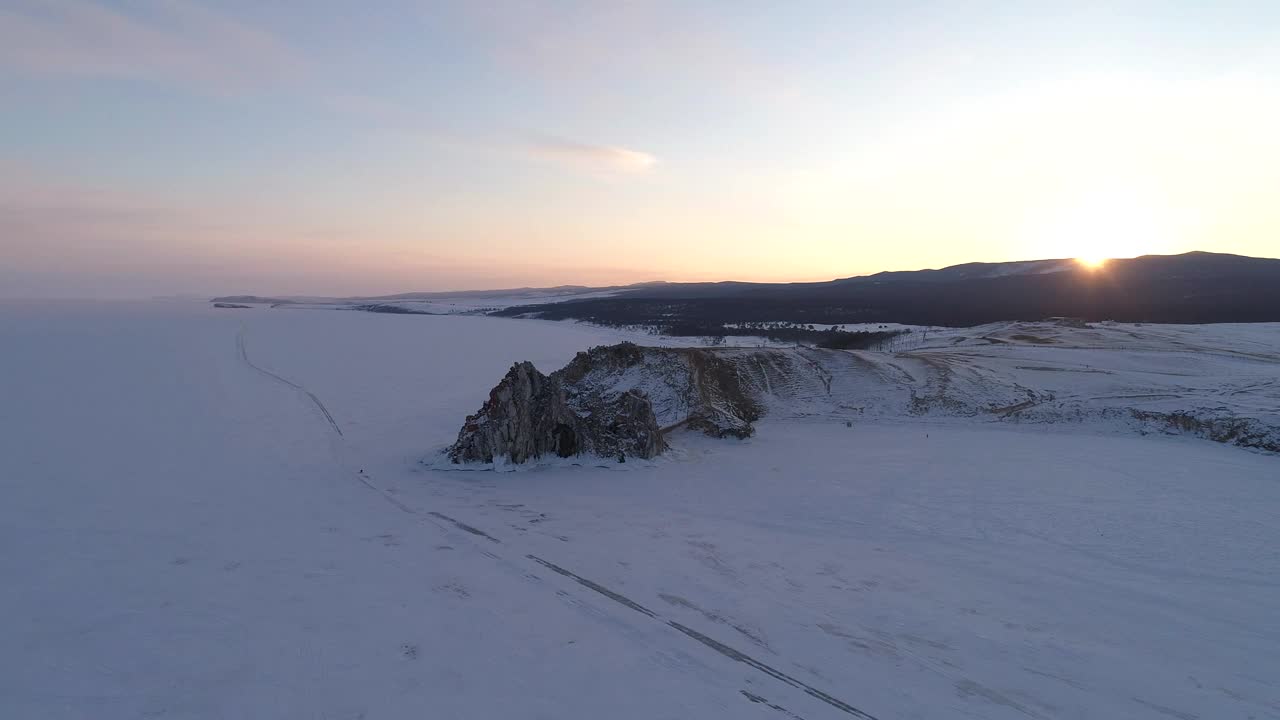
(445, 521)
(244, 355)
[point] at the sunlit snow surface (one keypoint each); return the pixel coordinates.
(183, 533)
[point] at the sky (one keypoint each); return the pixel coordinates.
(157, 147)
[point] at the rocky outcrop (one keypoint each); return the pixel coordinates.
(619, 401)
(530, 415)
(694, 387)
(613, 402)
(1215, 426)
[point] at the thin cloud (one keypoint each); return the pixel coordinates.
(597, 157)
(389, 117)
(160, 40)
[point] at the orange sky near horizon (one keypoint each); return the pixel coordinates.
(232, 148)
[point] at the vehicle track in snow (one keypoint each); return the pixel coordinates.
(244, 355)
(710, 642)
(440, 519)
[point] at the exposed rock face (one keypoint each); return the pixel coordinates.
(687, 386)
(613, 402)
(619, 400)
(531, 415)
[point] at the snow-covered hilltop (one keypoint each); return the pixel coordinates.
(1220, 382)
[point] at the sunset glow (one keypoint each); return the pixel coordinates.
(242, 151)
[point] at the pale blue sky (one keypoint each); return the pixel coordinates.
(158, 146)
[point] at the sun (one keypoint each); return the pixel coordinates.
(1095, 238)
(1097, 226)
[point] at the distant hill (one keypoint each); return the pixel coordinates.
(559, 291)
(1196, 287)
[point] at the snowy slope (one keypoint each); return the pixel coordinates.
(1207, 379)
(222, 514)
(1217, 382)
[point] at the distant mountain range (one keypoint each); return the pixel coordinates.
(1195, 287)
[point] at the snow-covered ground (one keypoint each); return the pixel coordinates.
(223, 514)
(1218, 381)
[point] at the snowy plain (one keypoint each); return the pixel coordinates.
(225, 514)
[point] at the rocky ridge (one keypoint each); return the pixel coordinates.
(620, 401)
(613, 402)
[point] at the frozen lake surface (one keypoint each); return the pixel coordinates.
(223, 514)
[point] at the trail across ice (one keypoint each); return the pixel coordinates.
(616, 597)
(244, 355)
